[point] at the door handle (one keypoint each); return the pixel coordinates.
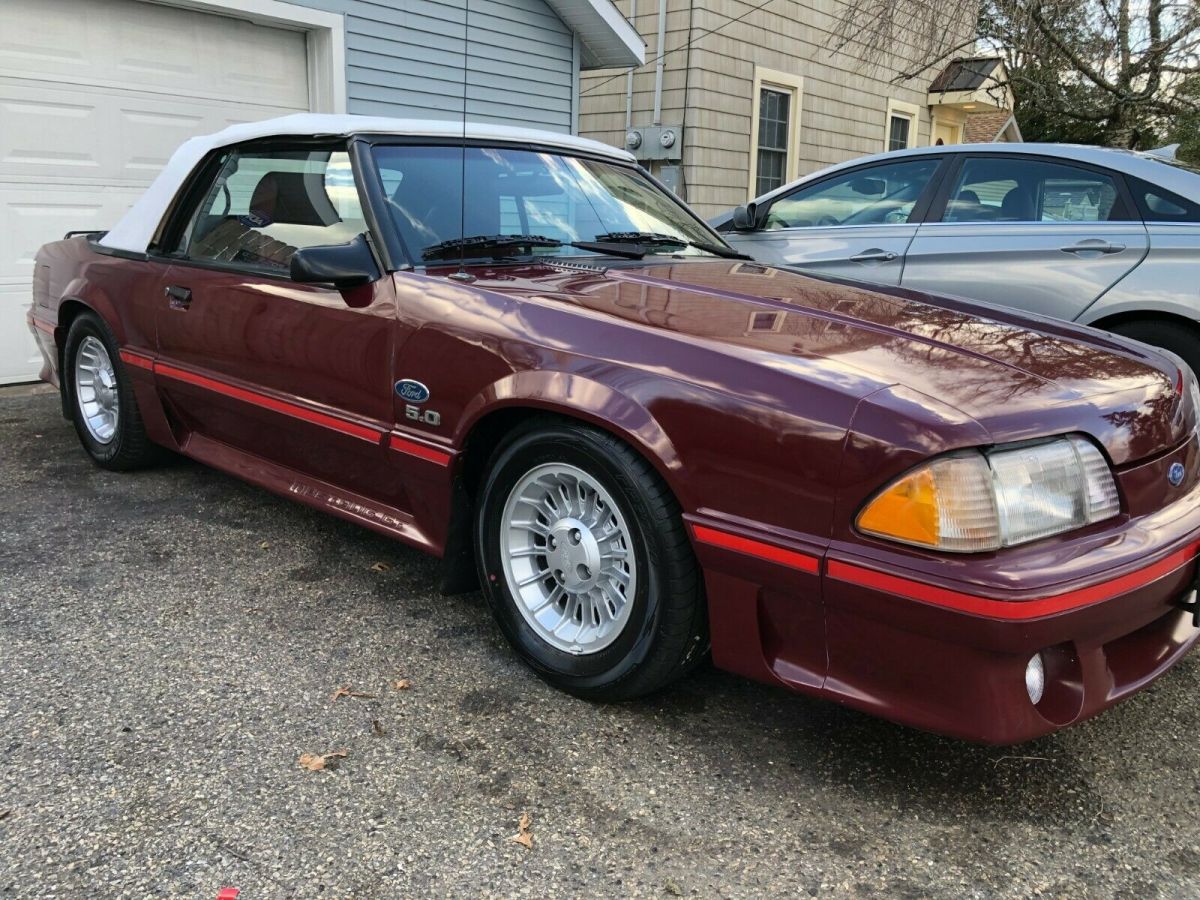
(178, 297)
(1093, 246)
(874, 255)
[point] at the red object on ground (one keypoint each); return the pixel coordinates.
(228, 893)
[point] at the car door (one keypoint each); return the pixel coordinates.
(855, 224)
(297, 374)
(1034, 232)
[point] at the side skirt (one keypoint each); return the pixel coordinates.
(307, 490)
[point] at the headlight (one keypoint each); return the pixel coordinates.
(977, 501)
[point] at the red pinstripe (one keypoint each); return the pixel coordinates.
(294, 410)
(412, 448)
(793, 558)
(1011, 609)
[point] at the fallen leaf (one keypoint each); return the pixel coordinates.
(346, 691)
(402, 684)
(264, 545)
(380, 567)
(376, 727)
(673, 888)
(315, 762)
(524, 836)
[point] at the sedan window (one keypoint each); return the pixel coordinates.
(265, 205)
(878, 195)
(1000, 189)
(1159, 205)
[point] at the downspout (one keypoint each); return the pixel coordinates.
(629, 76)
(658, 65)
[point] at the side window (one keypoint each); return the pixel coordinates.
(1158, 205)
(265, 205)
(879, 195)
(1002, 189)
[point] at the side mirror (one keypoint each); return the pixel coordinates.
(342, 265)
(745, 218)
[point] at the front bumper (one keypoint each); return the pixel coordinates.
(942, 645)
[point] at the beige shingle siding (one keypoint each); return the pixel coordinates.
(843, 108)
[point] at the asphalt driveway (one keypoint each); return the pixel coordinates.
(170, 642)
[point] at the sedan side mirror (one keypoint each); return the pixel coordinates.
(745, 218)
(343, 265)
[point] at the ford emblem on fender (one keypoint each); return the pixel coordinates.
(412, 391)
(1175, 474)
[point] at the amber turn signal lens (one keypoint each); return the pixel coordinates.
(906, 511)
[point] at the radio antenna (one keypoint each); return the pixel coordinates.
(462, 274)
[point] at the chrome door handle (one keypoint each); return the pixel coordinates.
(1093, 246)
(874, 255)
(178, 297)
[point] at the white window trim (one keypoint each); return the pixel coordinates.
(935, 121)
(783, 82)
(901, 110)
(325, 33)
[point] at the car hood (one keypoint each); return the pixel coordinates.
(999, 367)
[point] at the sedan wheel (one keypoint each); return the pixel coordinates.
(586, 564)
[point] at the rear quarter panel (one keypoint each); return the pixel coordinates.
(1167, 281)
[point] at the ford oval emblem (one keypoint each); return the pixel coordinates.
(1175, 474)
(412, 391)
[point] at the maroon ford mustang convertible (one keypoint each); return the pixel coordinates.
(637, 442)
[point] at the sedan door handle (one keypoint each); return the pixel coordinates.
(875, 254)
(179, 297)
(1093, 246)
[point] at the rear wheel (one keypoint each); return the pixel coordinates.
(1180, 338)
(586, 564)
(100, 397)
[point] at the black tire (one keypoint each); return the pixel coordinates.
(1180, 338)
(666, 633)
(129, 448)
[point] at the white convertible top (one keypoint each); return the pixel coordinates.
(136, 228)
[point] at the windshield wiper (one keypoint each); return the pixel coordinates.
(641, 238)
(499, 246)
(719, 250)
(650, 239)
(493, 245)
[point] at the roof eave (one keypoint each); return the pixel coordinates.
(606, 38)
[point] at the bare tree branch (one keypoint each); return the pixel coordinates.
(1117, 68)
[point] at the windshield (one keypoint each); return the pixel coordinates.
(528, 193)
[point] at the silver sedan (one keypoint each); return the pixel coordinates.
(1108, 238)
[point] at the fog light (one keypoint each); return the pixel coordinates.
(1035, 678)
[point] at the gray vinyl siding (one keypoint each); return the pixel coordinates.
(405, 58)
(709, 89)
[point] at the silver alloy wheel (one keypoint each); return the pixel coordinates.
(568, 558)
(96, 389)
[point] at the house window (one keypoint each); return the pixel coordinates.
(900, 126)
(774, 130)
(773, 122)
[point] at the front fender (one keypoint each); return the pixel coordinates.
(582, 398)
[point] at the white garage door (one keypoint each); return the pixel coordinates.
(94, 96)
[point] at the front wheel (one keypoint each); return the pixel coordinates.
(586, 564)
